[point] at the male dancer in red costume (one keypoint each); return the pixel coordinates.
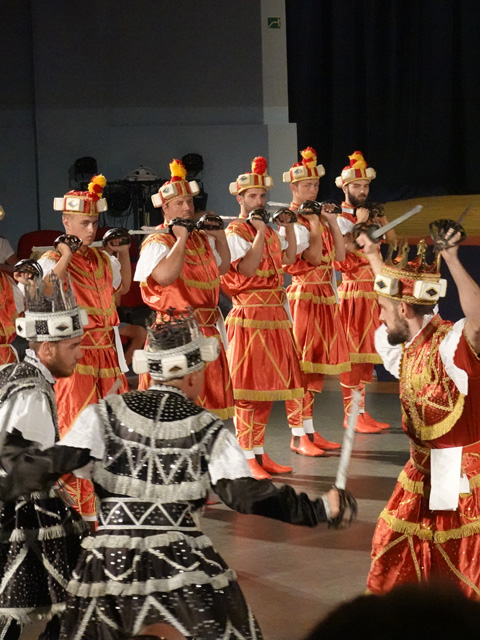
(10, 304)
(261, 354)
(181, 269)
(430, 527)
(358, 302)
(318, 331)
(95, 277)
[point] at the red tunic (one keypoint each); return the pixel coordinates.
(318, 330)
(261, 354)
(358, 305)
(412, 543)
(98, 370)
(198, 287)
(8, 314)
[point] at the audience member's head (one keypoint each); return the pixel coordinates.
(411, 611)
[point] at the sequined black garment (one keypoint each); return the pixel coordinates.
(40, 535)
(148, 561)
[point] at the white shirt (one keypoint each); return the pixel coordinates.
(5, 250)
(48, 266)
(29, 411)
(154, 252)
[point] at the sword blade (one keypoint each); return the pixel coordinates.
(462, 217)
(394, 223)
(347, 443)
(282, 205)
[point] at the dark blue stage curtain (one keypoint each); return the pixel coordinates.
(396, 79)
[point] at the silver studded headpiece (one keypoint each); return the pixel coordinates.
(176, 347)
(51, 311)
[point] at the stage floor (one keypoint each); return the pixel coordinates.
(292, 576)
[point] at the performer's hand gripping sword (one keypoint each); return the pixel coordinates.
(348, 504)
(443, 231)
(375, 231)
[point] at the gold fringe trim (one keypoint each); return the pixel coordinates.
(439, 537)
(441, 428)
(87, 370)
(258, 324)
(412, 486)
(266, 396)
(372, 358)
(329, 369)
(223, 414)
(201, 285)
(348, 295)
(298, 295)
(97, 311)
(266, 274)
(403, 526)
(464, 531)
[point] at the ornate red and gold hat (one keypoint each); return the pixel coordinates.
(414, 282)
(307, 169)
(85, 203)
(177, 187)
(358, 169)
(256, 179)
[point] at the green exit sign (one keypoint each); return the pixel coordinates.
(274, 23)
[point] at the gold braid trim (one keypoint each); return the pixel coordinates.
(87, 370)
(201, 285)
(347, 295)
(441, 428)
(372, 358)
(477, 356)
(403, 526)
(329, 369)
(263, 396)
(258, 324)
(454, 570)
(298, 295)
(412, 486)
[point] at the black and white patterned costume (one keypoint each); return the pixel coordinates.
(40, 535)
(157, 454)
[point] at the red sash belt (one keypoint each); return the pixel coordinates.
(260, 298)
(420, 458)
(205, 317)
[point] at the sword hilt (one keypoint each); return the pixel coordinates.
(443, 231)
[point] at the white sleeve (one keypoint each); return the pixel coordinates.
(116, 270)
(211, 242)
(18, 296)
(238, 247)
(345, 225)
(47, 265)
(448, 348)
(227, 460)
(391, 354)
(6, 250)
(149, 258)
(86, 432)
(302, 237)
(29, 412)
